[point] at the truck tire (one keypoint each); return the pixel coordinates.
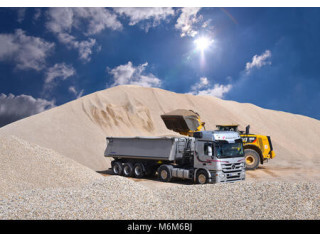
(252, 159)
(128, 169)
(164, 174)
(138, 170)
(117, 168)
(202, 177)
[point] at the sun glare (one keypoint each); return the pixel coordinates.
(203, 43)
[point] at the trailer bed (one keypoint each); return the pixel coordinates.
(153, 148)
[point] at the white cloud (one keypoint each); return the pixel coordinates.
(218, 90)
(138, 14)
(58, 71)
(77, 94)
(131, 75)
(98, 19)
(26, 51)
(203, 87)
(259, 61)
(202, 83)
(206, 23)
(84, 47)
(13, 108)
(187, 19)
(61, 21)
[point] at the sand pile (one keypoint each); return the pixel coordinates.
(120, 198)
(78, 129)
(26, 166)
(48, 162)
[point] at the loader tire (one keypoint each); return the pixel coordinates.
(128, 169)
(164, 174)
(252, 159)
(117, 168)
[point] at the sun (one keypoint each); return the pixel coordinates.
(203, 43)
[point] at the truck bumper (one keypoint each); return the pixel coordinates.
(220, 176)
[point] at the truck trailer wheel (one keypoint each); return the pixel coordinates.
(117, 168)
(252, 159)
(164, 174)
(138, 170)
(128, 169)
(202, 177)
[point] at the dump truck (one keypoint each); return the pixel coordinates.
(257, 148)
(207, 157)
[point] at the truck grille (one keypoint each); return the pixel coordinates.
(232, 171)
(231, 167)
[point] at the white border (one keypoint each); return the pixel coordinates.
(160, 3)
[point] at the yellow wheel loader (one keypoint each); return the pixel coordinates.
(257, 148)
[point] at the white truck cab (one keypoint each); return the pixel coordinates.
(221, 154)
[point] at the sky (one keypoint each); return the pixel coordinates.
(265, 56)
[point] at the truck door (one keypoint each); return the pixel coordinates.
(203, 153)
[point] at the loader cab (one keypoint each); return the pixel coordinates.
(227, 128)
(233, 128)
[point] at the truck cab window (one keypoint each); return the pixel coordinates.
(225, 149)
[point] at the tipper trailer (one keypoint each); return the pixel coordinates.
(207, 157)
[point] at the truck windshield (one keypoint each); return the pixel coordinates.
(226, 150)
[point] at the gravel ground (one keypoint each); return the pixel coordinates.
(38, 183)
(110, 198)
(26, 166)
(120, 198)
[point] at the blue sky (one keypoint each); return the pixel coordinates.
(265, 56)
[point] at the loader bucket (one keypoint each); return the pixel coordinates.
(181, 120)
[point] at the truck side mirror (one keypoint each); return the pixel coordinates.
(209, 151)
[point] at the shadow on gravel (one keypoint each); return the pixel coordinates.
(109, 172)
